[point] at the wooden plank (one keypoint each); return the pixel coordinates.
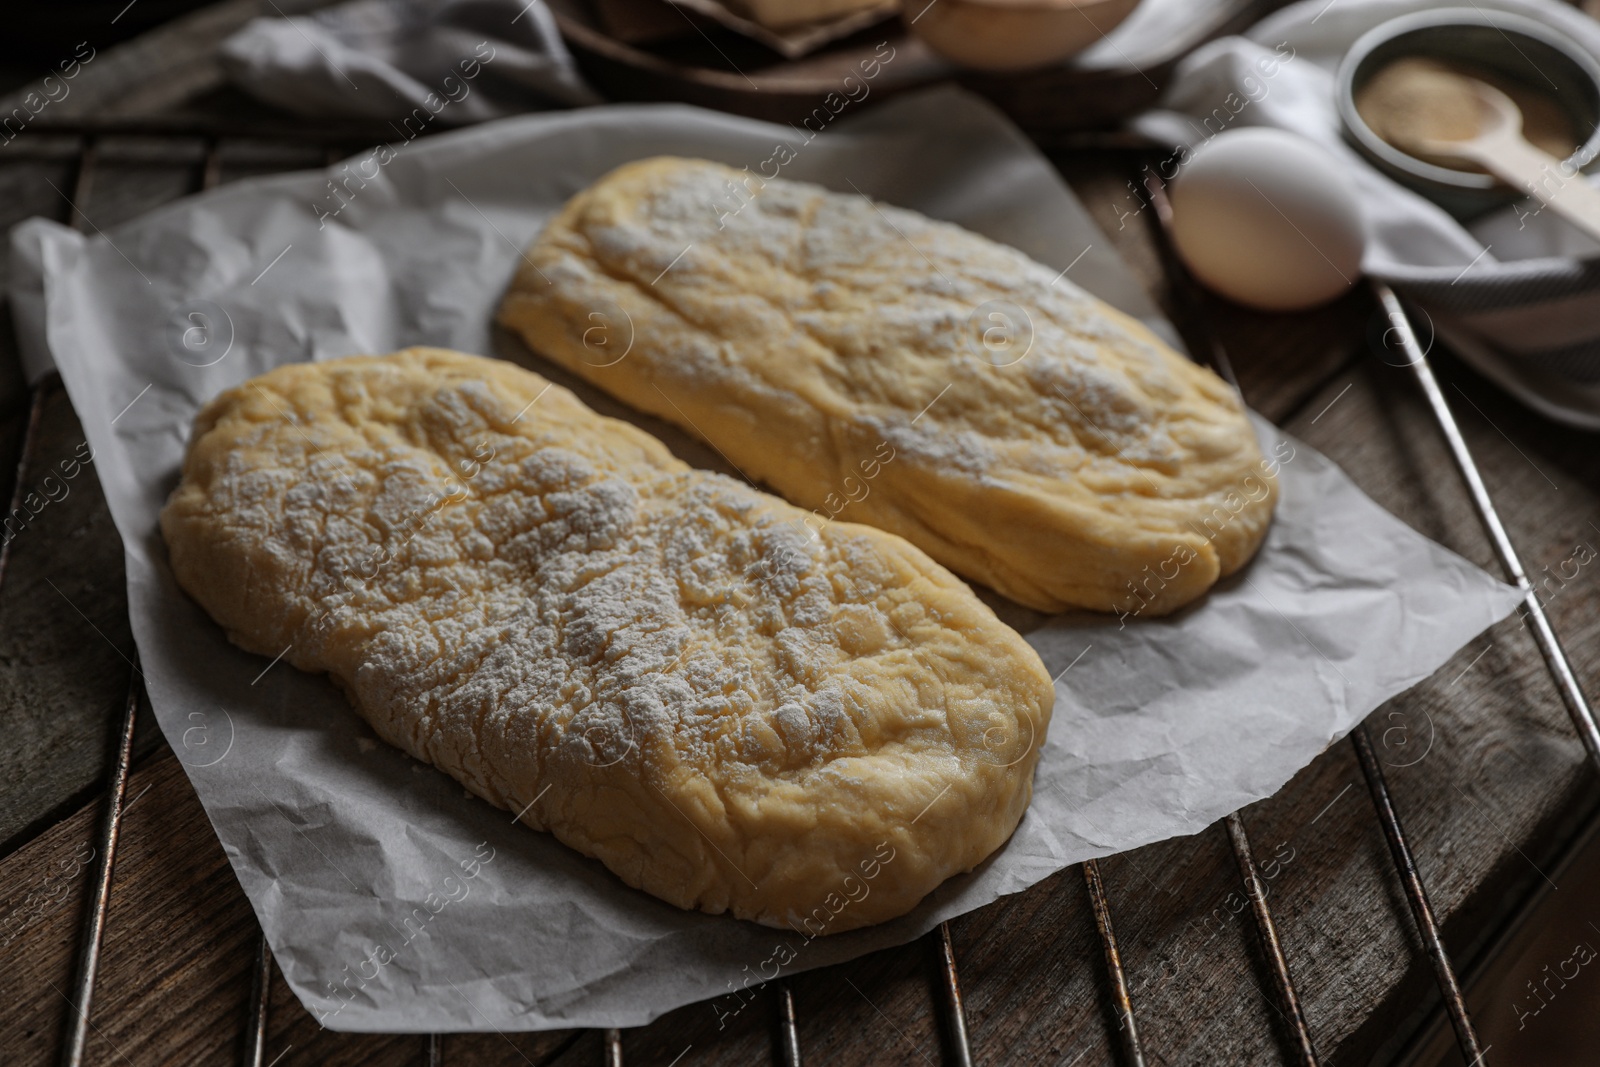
(42, 891)
(1191, 956)
(1505, 783)
(1500, 790)
(65, 645)
(64, 636)
(179, 948)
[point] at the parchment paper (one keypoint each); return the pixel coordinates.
(395, 902)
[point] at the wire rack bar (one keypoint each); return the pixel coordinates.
(82, 184)
(435, 1050)
(1127, 1031)
(1283, 982)
(1417, 896)
(947, 999)
(613, 1047)
(788, 1048)
(260, 1003)
(39, 391)
(211, 165)
(1186, 292)
(1555, 657)
(87, 965)
(255, 1030)
(94, 926)
(25, 453)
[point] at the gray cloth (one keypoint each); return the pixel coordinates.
(449, 62)
(1517, 291)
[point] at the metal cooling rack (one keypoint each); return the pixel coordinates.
(946, 993)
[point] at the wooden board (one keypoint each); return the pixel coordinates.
(717, 68)
(1500, 791)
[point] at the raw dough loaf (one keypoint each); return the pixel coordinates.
(807, 335)
(550, 607)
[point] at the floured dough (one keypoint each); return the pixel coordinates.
(658, 663)
(1036, 439)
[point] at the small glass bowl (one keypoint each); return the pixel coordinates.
(1521, 50)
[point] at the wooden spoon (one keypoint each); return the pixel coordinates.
(1499, 148)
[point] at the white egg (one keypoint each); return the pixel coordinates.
(1268, 219)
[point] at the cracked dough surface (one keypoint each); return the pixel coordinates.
(663, 662)
(803, 332)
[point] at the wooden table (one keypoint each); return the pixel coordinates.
(1500, 796)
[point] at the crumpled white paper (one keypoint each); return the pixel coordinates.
(395, 902)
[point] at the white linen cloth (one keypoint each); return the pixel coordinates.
(1161, 726)
(457, 61)
(1516, 291)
